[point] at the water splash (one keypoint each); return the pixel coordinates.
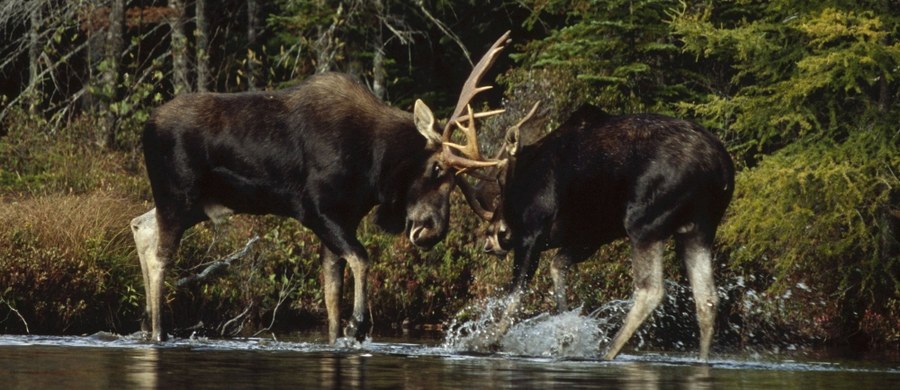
(748, 321)
(477, 328)
(566, 335)
(569, 334)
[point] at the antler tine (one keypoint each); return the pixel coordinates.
(471, 88)
(470, 149)
(529, 115)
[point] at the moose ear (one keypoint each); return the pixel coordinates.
(512, 142)
(424, 120)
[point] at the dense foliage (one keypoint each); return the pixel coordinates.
(804, 94)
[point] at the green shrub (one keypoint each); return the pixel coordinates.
(813, 215)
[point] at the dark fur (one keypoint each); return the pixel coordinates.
(324, 152)
(598, 178)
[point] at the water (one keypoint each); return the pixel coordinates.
(560, 351)
(568, 335)
(108, 361)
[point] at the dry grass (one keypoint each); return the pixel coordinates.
(68, 222)
(65, 261)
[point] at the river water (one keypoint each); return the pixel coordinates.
(307, 362)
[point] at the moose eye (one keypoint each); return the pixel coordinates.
(436, 170)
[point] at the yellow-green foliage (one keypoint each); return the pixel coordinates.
(812, 214)
(820, 73)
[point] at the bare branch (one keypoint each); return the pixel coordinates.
(283, 294)
(63, 60)
(240, 317)
(215, 268)
(444, 29)
(13, 309)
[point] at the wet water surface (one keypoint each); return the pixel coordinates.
(105, 361)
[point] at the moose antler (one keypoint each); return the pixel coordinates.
(471, 156)
(471, 88)
(468, 191)
(528, 115)
(470, 150)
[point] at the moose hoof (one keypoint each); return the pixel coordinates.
(145, 327)
(356, 330)
(159, 337)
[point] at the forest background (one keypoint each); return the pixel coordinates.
(805, 95)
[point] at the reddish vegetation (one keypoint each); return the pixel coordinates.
(97, 19)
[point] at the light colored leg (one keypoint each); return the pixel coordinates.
(698, 261)
(648, 292)
(509, 313)
(559, 269)
(146, 239)
(358, 322)
(156, 267)
(333, 275)
(154, 250)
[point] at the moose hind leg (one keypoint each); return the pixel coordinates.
(156, 243)
(698, 262)
(648, 292)
(146, 239)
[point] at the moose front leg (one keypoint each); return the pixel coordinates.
(559, 270)
(359, 324)
(341, 245)
(525, 264)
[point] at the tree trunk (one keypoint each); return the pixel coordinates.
(884, 94)
(115, 42)
(889, 222)
(96, 46)
(34, 50)
(179, 48)
(252, 30)
(202, 37)
(378, 72)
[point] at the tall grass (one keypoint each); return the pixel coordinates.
(66, 263)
